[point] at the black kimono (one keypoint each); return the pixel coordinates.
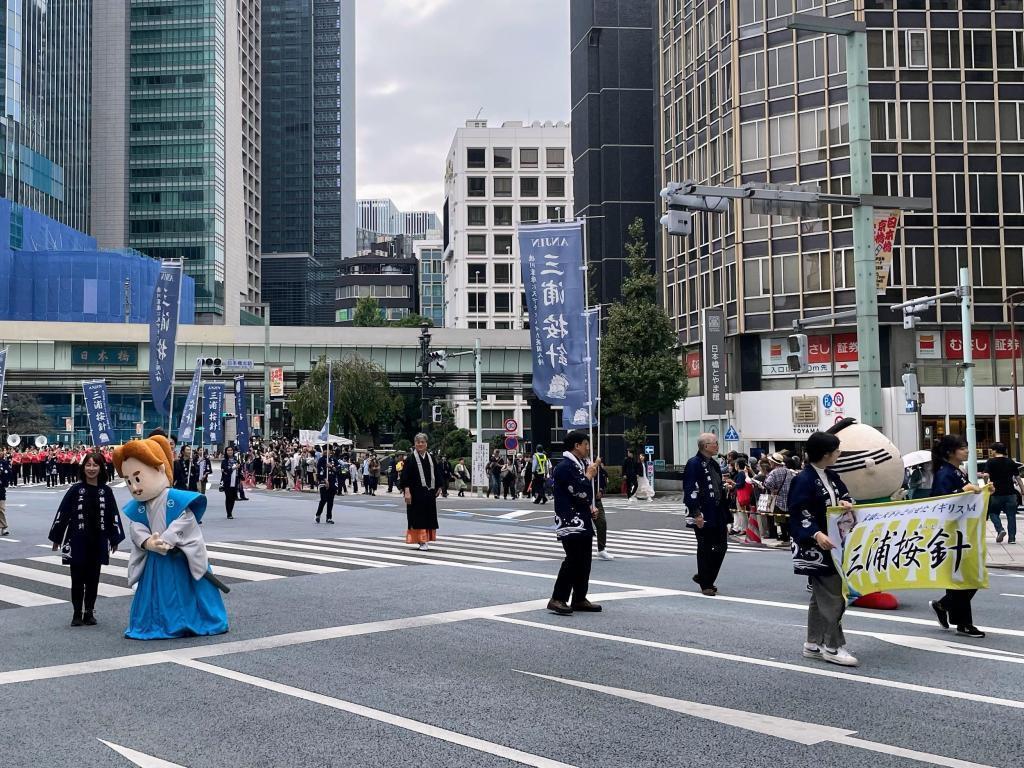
(421, 477)
(186, 475)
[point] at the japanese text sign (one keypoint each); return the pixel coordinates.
(241, 416)
(982, 347)
(163, 331)
(715, 387)
(277, 382)
(213, 407)
(187, 427)
(94, 354)
(99, 411)
(886, 224)
(581, 404)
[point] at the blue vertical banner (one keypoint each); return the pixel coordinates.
(241, 416)
(213, 407)
(163, 332)
(551, 258)
(325, 432)
(3, 371)
(187, 426)
(99, 411)
(581, 405)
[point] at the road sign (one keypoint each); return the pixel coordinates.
(649, 450)
(826, 400)
(511, 426)
(839, 399)
(731, 435)
(511, 443)
(242, 364)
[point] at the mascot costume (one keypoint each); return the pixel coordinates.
(872, 469)
(176, 595)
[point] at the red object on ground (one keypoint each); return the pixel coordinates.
(881, 601)
(753, 529)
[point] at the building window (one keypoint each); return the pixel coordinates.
(917, 48)
(981, 121)
(476, 157)
(477, 273)
(503, 302)
(503, 215)
(555, 157)
(476, 215)
(476, 186)
(503, 186)
(477, 244)
(503, 274)
(477, 301)
(780, 65)
(337, 293)
(556, 213)
(529, 157)
(502, 157)
(342, 315)
(556, 186)
(529, 186)
(480, 325)
(503, 245)
(529, 214)
(503, 325)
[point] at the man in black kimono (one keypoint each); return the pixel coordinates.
(421, 481)
(704, 494)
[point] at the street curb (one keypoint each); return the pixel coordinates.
(1004, 567)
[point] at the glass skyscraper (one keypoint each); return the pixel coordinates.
(45, 124)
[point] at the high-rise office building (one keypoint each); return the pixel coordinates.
(614, 170)
(308, 105)
(430, 254)
(744, 100)
(45, 123)
(185, 147)
(421, 223)
(494, 178)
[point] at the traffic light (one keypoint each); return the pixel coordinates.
(911, 391)
(797, 357)
(678, 222)
(440, 358)
(437, 411)
(215, 363)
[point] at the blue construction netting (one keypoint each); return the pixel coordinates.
(59, 276)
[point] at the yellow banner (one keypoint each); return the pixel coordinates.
(933, 543)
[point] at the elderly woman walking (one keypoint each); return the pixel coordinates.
(421, 482)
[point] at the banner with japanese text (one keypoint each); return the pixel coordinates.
(98, 410)
(716, 386)
(886, 224)
(213, 407)
(325, 430)
(551, 259)
(932, 543)
(163, 332)
(277, 382)
(187, 426)
(241, 416)
(582, 405)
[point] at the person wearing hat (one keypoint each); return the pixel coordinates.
(777, 484)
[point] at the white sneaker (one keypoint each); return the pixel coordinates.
(604, 554)
(839, 656)
(424, 547)
(811, 651)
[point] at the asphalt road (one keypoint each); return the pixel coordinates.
(449, 658)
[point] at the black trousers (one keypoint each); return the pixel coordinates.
(711, 546)
(85, 582)
(574, 575)
(958, 603)
(508, 487)
(631, 484)
(326, 500)
(230, 497)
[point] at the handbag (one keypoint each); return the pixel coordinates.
(766, 503)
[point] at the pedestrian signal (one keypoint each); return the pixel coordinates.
(797, 357)
(437, 414)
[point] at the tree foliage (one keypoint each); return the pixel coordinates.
(26, 416)
(415, 320)
(457, 444)
(367, 314)
(363, 399)
(641, 368)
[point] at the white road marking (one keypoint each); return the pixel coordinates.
(222, 570)
(1009, 594)
(939, 645)
(275, 550)
(516, 513)
(818, 671)
(140, 759)
(286, 565)
(57, 579)
(291, 545)
(9, 540)
(26, 599)
(377, 544)
(434, 732)
(798, 731)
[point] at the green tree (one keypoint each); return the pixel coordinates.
(457, 444)
(414, 320)
(402, 445)
(26, 414)
(497, 443)
(641, 366)
(363, 399)
(367, 314)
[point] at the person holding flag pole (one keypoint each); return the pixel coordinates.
(326, 471)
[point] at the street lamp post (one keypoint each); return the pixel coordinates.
(265, 309)
(1015, 349)
(859, 106)
(424, 376)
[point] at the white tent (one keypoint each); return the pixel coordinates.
(312, 437)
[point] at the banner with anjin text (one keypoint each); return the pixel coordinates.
(933, 543)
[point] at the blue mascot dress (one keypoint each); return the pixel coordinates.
(172, 599)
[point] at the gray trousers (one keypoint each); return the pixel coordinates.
(3, 514)
(825, 616)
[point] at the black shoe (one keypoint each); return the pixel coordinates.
(89, 619)
(76, 620)
(231, 517)
(586, 606)
(970, 631)
(941, 613)
(559, 607)
(316, 520)
(329, 522)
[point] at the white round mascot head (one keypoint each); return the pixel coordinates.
(869, 464)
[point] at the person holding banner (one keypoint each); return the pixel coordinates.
(186, 471)
(230, 479)
(948, 453)
(327, 477)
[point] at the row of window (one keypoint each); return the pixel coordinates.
(477, 302)
(374, 291)
(501, 157)
(476, 245)
(391, 313)
(476, 215)
(529, 186)
(476, 273)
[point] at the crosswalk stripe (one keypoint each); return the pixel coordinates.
(275, 550)
(453, 544)
(625, 548)
(508, 544)
(25, 599)
(284, 546)
(419, 558)
(56, 579)
(378, 544)
(223, 570)
(285, 565)
(508, 549)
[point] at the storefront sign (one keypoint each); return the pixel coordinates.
(693, 365)
(929, 345)
(277, 382)
(715, 388)
(982, 346)
(774, 350)
(886, 223)
(805, 414)
(844, 352)
(1007, 346)
(95, 354)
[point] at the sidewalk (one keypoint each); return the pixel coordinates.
(1003, 555)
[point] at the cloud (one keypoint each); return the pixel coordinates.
(426, 66)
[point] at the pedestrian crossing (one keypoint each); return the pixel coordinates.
(42, 580)
(668, 505)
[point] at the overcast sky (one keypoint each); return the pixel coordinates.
(426, 66)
